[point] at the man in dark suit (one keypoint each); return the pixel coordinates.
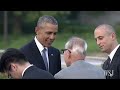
(106, 39)
(46, 30)
(15, 64)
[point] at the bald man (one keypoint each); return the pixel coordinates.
(105, 36)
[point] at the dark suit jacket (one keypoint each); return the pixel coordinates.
(113, 71)
(34, 56)
(35, 73)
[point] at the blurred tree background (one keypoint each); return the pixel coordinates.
(20, 26)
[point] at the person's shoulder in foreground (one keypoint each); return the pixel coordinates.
(15, 64)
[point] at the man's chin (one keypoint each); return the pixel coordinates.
(102, 50)
(48, 45)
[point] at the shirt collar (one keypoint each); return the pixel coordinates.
(113, 52)
(39, 45)
(26, 69)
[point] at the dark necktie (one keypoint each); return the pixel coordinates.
(107, 68)
(108, 62)
(45, 58)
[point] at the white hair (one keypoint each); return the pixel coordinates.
(77, 44)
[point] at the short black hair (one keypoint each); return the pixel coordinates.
(9, 56)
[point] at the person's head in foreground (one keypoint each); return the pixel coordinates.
(15, 64)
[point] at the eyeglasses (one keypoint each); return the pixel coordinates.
(63, 50)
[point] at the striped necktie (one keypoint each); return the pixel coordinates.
(45, 58)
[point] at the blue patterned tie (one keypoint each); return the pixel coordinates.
(45, 58)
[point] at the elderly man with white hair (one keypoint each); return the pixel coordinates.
(77, 67)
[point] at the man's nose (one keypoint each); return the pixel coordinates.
(98, 42)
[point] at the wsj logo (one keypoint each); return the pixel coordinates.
(109, 73)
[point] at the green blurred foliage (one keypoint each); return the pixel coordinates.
(20, 22)
(24, 22)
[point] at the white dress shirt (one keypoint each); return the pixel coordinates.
(26, 69)
(113, 52)
(40, 48)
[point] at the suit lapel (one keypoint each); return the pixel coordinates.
(51, 59)
(114, 60)
(37, 55)
(105, 67)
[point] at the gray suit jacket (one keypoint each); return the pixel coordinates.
(81, 70)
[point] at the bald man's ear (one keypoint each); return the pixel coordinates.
(113, 36)
(68, 54)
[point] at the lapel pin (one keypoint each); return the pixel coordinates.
(51, 54)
